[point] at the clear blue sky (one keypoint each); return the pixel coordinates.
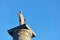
(43, 16)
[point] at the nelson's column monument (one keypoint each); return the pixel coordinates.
(23, 31)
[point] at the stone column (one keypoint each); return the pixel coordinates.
(22, 34)
(25, 34)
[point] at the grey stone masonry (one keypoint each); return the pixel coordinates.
(22, 32)
(25, 34)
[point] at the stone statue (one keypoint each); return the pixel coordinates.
(21, 18)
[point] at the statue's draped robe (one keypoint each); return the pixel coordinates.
(22, 21)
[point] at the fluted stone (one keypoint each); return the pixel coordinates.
(22, 34)
(25, 34)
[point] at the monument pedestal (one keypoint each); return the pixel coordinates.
(22, 32)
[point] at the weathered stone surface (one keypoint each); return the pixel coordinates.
(23, 34)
